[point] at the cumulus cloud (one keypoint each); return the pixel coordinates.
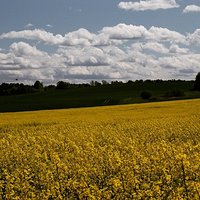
(87, 56)
(177, 63)
(115, 35)
(175, 49)
(124, 32)
(164, 34)
(79, 37)
(24, 49)
(143, 5)
(151, 46)
(23, 56)
(120, 52)
(194, 38)
(35, 34)
(191, 8)
(131, 32)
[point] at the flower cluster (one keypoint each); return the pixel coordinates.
(149, 151)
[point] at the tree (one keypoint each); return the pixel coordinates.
(104, 82)
(38, 85)
(62, 85)
(197, 82)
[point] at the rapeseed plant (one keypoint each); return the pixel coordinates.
(149, 151)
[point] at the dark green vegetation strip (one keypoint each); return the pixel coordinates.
(95, 96)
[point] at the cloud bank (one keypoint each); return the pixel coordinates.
(121, 52)
(143, 5)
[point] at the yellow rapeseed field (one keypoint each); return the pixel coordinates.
(144, 151)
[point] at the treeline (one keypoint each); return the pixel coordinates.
(20, 88)
(15, 88)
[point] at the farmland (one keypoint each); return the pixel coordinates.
(140, 151)
(91, 96)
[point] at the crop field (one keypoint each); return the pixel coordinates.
(141, 151)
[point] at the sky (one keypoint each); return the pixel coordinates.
(82, 40)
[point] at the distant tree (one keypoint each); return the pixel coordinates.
(158, 81)
(50, 88)
(96, 83)
(197, 82)
(116, 83)
(104, 82)
(139, 81)
(130, 82)
(15, 88)
(145, 95)
(92, 83)
(38, 85)
(62, 85)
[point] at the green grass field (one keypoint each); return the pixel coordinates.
(91, 96)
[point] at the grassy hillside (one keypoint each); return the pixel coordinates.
(91, 96)
(141, 151)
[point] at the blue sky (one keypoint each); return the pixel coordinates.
(84, 40)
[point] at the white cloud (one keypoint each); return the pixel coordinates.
(83, 56)
(124, 32)
(35, 34)
(29, 25)
(24, 49)
(194, 38)
(23, 56)
(49, 26)
(178, 63)
(143, 5)
(120, 52)
(79, 37)
(131, 32)
(191, 8)
(175, 49)
(152, 46)
(107, 36)
(164, 34)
